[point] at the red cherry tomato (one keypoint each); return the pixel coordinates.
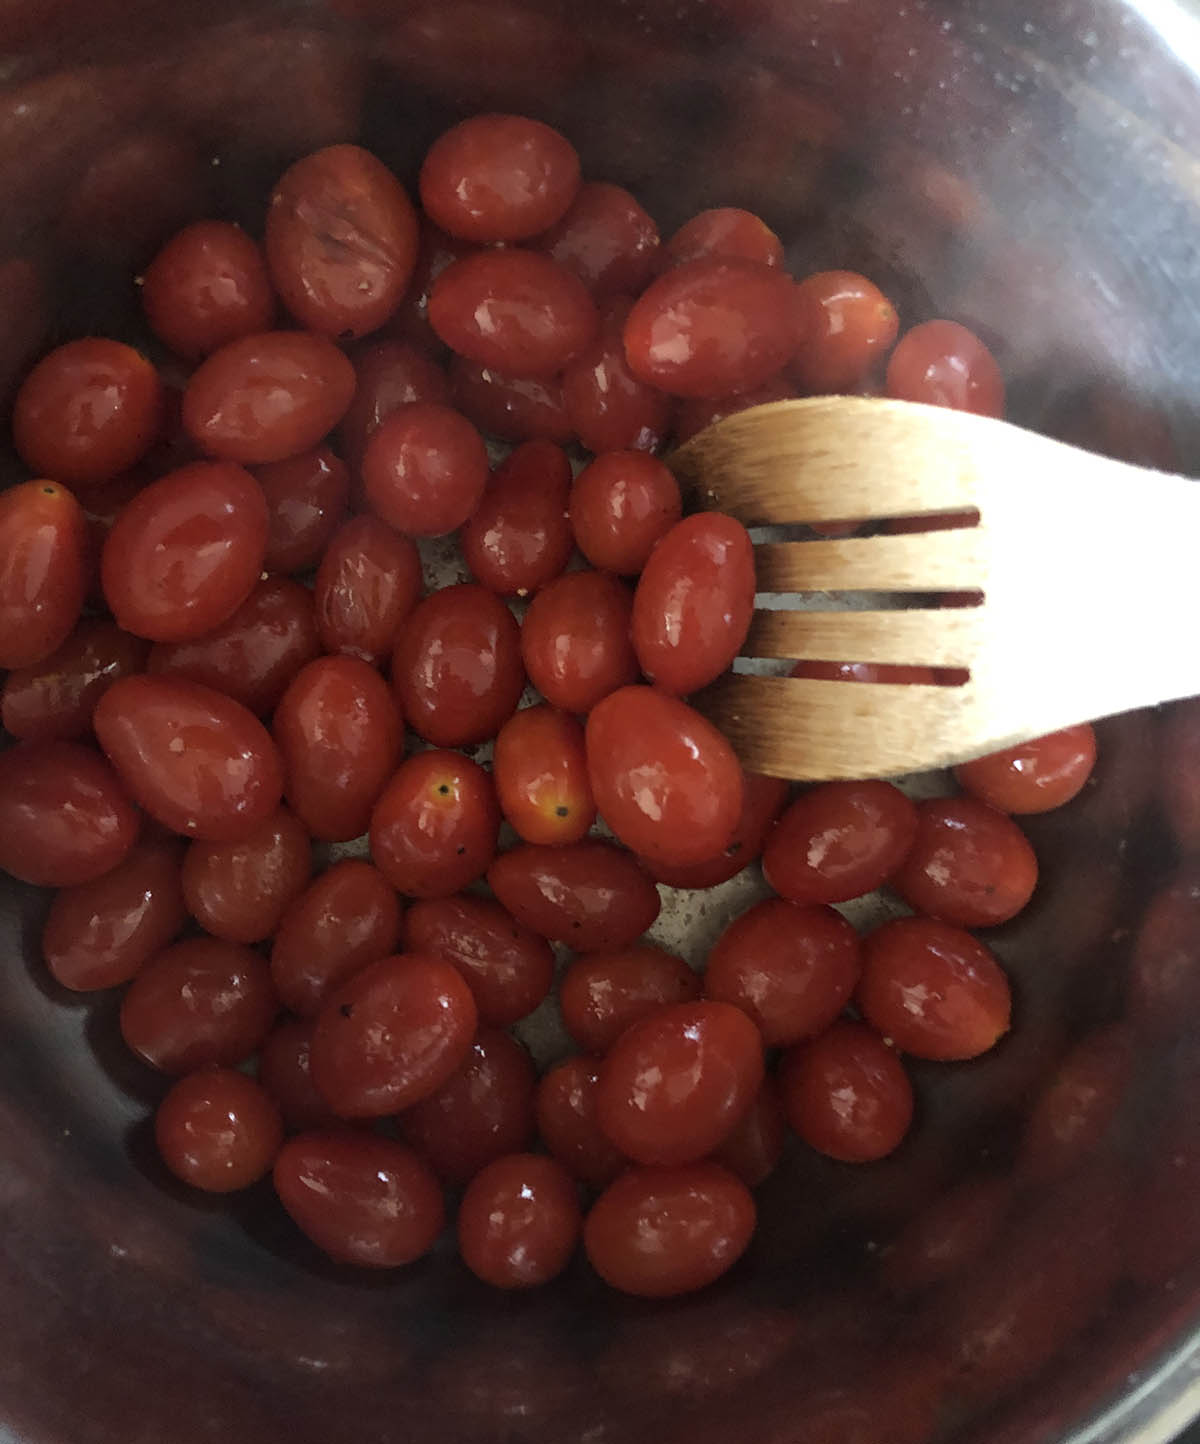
(390, 374)
(425, 468)
(87, 412)
(218, 1130)
(267, 396)
(566, 1120)
(346, 918)
(184, 554)
(1034, 776)
(790, 968)
(753, 1150)
(602, 994)
(53, 700)
(575, 640)
(362, 1199)
(711, 327)
(198, 1002)
(1164, 981)
(694, 601)
(846, 326)
(507, 967)
(1070, 1119)
(98, 934)
(514, 408)
(253, 655)
(846, 1094)
(665, 780)
(968, 865)
(206, 287)
(865, 672)
(658, 1232)
(239, 890)
(285, 1071)
(519, 1221)
(457, 666)
(727, 232)
(483, 1111)
(65, 818)
(517, 311)
(589, 894)
(622, 504)
(838, 841)
(606, 239)
(306, 497)
(694, 416)
(411, 320)
(762, 801)
(608, 407)
(498, 178)
(368, 582)
(950, 1235)
(541, 776)
(43, 570)
(197, 761)
(519, 538)
(392, 1035)
(339, 734)
(943, 364)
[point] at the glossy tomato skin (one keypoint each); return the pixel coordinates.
(763, 799)
(457, 666)
(609, 408)
(519, 1221)
(514, 408)
(392, 1035)
(185, 553)
(424, 469)
(589, 894)
(604, 993)
(694, 601)
(607, 239)
(268, 396)
(238, 891)
(659, 1232)
(43, 570)
(728, 232)
(665, 780)
(390, 374)
(565, 1104)
(941, 363)
(622, 504)
(218, 1130)
(508, 967)
(339, 733)
(285, 1071)
(65, 817)
(197, 761)
(347, 917)
(576, 642)
(518, 538)
(540, 767)
(53, 700)
(306, 497)
(341, 241)
(754, 1147)
(846, 327)
(1034, 776)
(206, 287)
(368, 582)
(360, 1198)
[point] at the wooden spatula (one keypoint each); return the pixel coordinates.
(1089, 571)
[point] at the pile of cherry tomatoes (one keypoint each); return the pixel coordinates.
(190, 718)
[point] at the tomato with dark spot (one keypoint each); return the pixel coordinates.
(44, 550)
(206, 287)
(846, 1093)
(285, 1071)
(306, 498)
(609, 408)
(1034, 776)
(622, 504)
(566, 1119)
(514, 408)
(53, 700)
(576, 641)
(846, 326)
(519, 537)
(368, 582)
(762, 802)
(424, 469)
(590, 894)
(390, 374)
(519, 1221)
(753, 1149)
(727, 232)
(239, 890)
(606, 238)
(604, 993)
(540, 766)
(941, 363)
(218, 1130)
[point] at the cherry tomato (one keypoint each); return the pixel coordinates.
(604, 993)
(589, 894)
(368, 582)
(665, 780)
(498, 178)
(483, 1111)
(838, 841)
(186, 552)
(609, 409)
(606, 239)
(268, 396)
(390, 374)
(43, 570)
(457, 666)
(341, 241)
(239, 890)
(674, 1083)
(846, 1094)
(943, 364)
(566, 1118)
(726, 232)
(514, 408)
(517, 311)
(575, 640)
(362, 1199)
(507, 967)
(306, 497)
(435, 252)
(846, 327)
(99, 933)
(658, 1232)
(541, 776)
(218, 1130)
(865, 672)
(622, 504)
(346, 918)
(206, 287)
(339, 734)
(392, 1035)
(65, 818)
(1034, 776)
(1070, 1119)
(435, 825)
(53, 700)
(762, 801)
(696, 415)
(425, 469)
(197, 761)
(519, 1221)
(969, 864)
(519, 538)
(694, 601)
(753, 1150)
(198, 1002)
(711, 327)
(285, 1071)
(950, 1235)
(255, 653)
(87, 411)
